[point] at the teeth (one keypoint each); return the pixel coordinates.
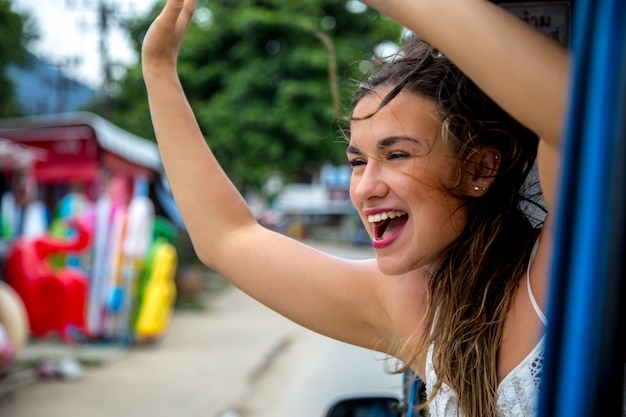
(379, 217)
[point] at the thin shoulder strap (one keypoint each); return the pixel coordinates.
(540, 314)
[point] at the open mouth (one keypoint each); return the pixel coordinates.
(387, 224)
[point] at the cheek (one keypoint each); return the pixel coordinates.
(438, 163)
(420, 181)
(429, 171)
(453, 215)
(436, 204)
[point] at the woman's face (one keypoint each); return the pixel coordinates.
(400, 172)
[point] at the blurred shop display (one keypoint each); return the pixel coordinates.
(88, 228)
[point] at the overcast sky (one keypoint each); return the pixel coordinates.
(69, 34)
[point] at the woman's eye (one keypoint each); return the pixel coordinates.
(356, 162)
(397, 155)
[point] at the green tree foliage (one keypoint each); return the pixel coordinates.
(17, 31)
(257, 75)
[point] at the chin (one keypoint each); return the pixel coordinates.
(392, 266)
(398, 266)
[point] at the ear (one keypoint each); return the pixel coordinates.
(483, 167)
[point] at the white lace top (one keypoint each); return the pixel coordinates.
(518, 393)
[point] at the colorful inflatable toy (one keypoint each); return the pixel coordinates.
(54, 298)
(157, 293)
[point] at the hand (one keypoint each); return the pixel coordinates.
(165, 36)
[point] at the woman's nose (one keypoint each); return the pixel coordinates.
(369, 183)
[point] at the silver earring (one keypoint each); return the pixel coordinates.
(476, 188)
(496, 157)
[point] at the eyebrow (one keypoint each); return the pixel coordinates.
(384, 143)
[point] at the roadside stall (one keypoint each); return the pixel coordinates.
(90, 247)
(19, 160)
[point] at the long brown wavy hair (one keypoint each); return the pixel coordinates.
(474, 280)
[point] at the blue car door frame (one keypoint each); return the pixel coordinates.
(584, 363)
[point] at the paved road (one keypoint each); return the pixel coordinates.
(332, 371)
(236, 358)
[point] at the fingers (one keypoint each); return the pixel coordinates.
(178, 12)
(188, 8)
(166, 33)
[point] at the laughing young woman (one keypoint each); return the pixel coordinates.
(458, 286)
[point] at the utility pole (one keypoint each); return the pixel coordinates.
(106, 13)
(104, 95)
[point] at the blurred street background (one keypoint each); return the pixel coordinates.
(104, 307)
(234, 357)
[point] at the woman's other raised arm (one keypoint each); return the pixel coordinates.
(200, 187)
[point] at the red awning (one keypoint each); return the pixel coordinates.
(65, 173)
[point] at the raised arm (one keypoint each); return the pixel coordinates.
(335, 297)
(186, 157)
